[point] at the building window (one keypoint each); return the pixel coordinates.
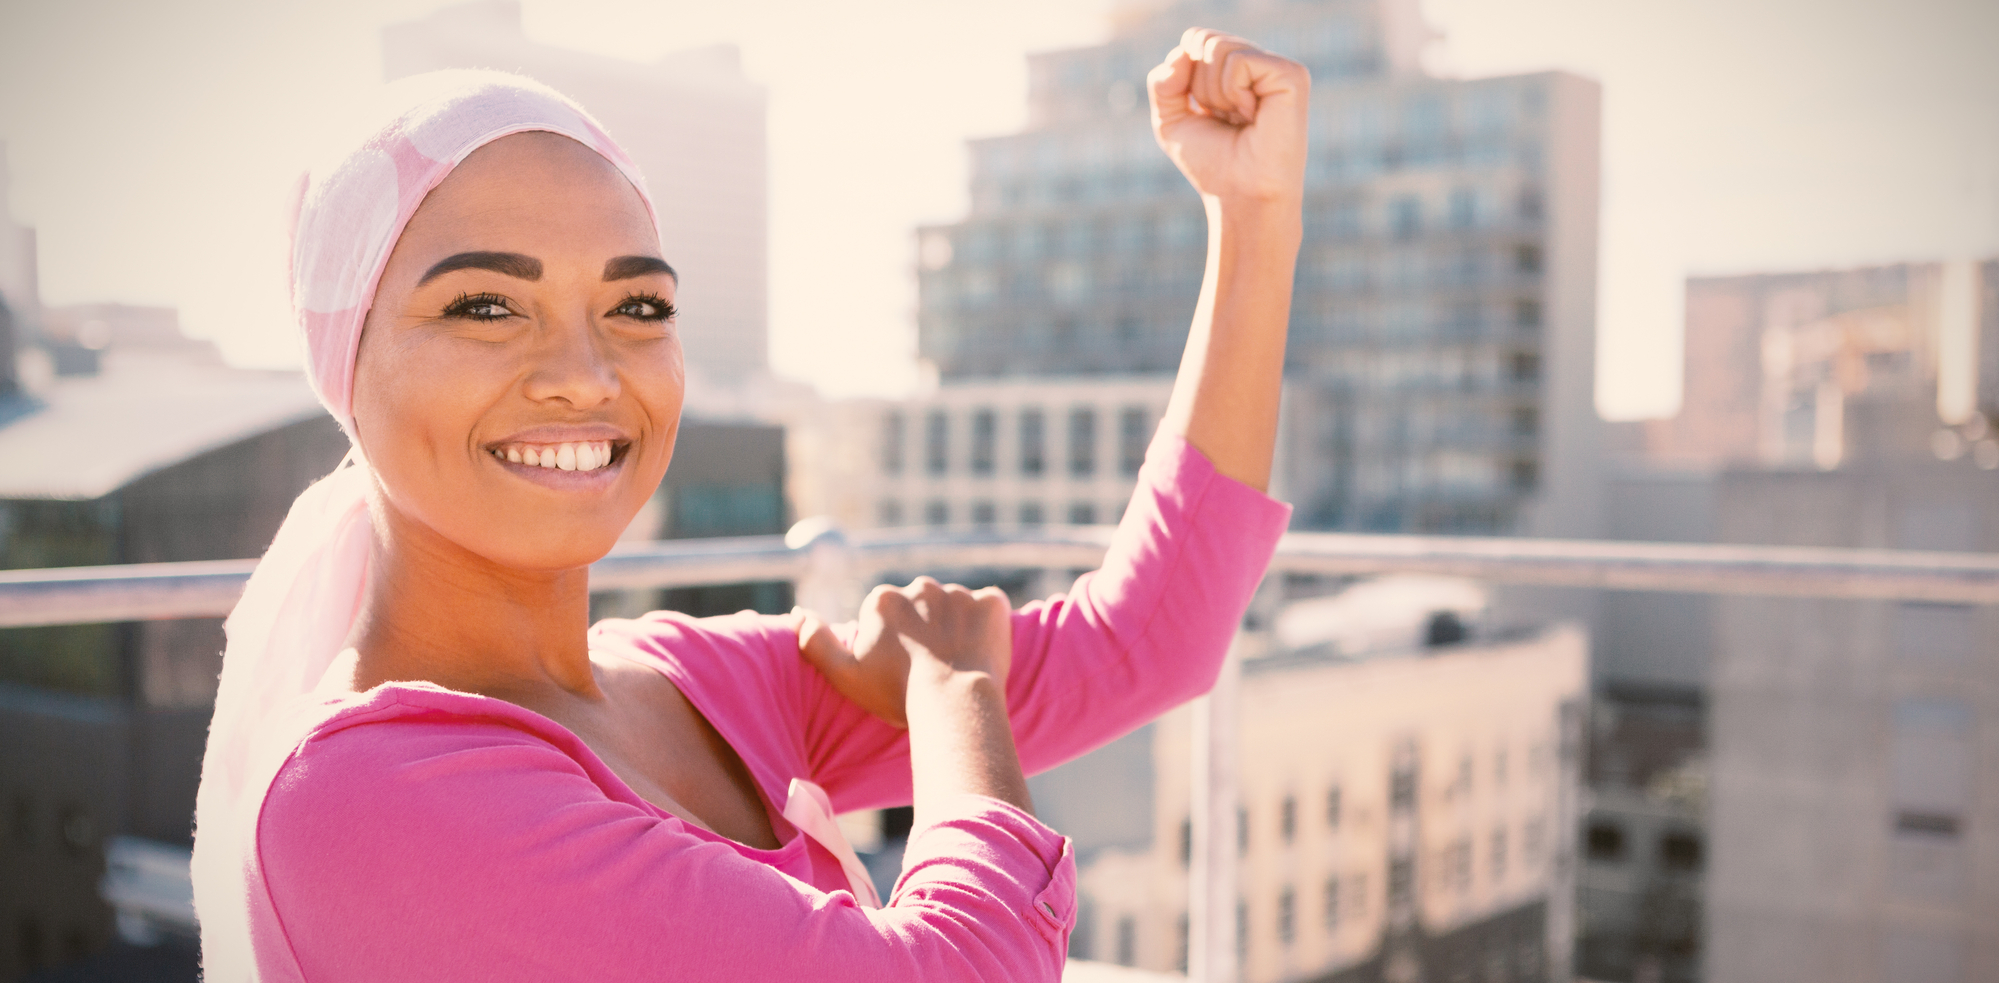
(1464, 208)
(1242, 832)
(1604, 843)
(936, 441)
(1527, 259)
(1030, 515)
(1524, 366)
(1287, 822)
(1332, 903)
(937, 512)
(1930, 768)
(1401, 882)
(1526, 313)
(1186, 842)
(984, 515)
(1082, 514)
(1333, 807)
(1287, 903)
(1461, 869)
(891, 442)
(985, 434)
(1241, 932)
(1524, 475)
(1526, 420)
(1530, 204)
(1033, 443)
(1498, 855)
(1402, 790)
(1127, 941)
(1357, 897)
(1405, 216)
(1680, 851)
(1180, 943)
(1134, 431)
(1082, 441)
(889, 513)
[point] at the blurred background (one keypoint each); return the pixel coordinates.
(1706, 272)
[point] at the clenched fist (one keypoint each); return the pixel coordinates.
(1232, 117)
(923, 634)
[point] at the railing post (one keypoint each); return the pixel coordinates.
(829, 585)
(1211, 869)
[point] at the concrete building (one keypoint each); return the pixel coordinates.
(1012, 453)
(695, 125)
(1404, 815)
(1441, 372)
(1853, 820)
(20, 283)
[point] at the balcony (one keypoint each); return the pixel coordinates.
(147, 883)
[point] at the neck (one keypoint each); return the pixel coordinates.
(437, 612)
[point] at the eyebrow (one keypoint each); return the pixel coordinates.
(511, 264)
(627, 267)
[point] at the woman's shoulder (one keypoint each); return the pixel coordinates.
(400, 737)
(740, 647)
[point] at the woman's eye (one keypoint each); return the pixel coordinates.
(485, 308)
(645, 309)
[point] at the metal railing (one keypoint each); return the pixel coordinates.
(830, 570)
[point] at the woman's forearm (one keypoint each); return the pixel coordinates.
(960, 742)
(1225, 400)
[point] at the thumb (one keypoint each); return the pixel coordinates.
(819, 646)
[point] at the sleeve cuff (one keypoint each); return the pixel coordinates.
(1001, 850)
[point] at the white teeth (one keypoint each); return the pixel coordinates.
(587, 456)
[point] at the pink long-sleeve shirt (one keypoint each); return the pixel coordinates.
(417, 833)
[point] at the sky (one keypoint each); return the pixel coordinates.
(152, 143)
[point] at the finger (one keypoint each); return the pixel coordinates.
(1212, 51)
(993, 596)
(1166, 86)
(1238, 83)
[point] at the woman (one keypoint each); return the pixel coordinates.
(426, 764)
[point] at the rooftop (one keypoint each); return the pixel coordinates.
(83, 438)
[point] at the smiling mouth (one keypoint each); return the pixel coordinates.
(581, 455)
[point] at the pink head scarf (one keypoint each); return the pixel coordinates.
(295, 615)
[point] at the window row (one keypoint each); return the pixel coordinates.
(986, 514)
(1467, 207)
(971, 442)
(1477, 114)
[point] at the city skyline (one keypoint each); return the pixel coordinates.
(1777, 153)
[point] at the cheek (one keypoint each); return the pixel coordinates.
(413, 406)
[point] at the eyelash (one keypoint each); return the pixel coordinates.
(667, 312)
(464, 304)
(462, 307)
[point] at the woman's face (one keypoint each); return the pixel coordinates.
(519, 381)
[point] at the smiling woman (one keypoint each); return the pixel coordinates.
(426, 763)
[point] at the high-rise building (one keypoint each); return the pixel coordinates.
(1441, 363)
(695, 125)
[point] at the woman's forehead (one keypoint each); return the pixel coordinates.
(533, 188)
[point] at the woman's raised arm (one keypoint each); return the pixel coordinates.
(1232, 118)
(1147, 631)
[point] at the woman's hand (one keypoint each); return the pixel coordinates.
(924, 634)
(1232, 117)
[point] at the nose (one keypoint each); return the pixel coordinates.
(572, 365)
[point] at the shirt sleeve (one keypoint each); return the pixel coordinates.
(1142, 634)
(450, 850)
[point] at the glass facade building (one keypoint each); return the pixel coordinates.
(1441, 352)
